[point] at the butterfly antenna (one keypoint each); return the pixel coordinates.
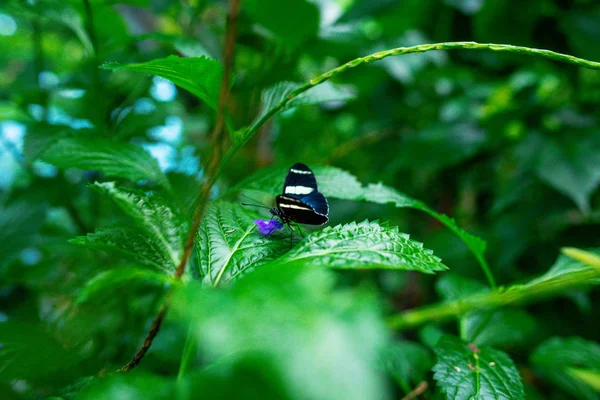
(256, 203)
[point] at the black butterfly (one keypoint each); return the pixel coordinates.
(301, 201)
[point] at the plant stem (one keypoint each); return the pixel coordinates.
(188, 350)
(214, 167)
(514, 295)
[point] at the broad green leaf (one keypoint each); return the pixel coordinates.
(106, 283)
(129, 242)
(293, 21)
(29, 351)
(160, 225)
(274, 95)
(228, 244)
(557, 357)
(572, 167)
(407, 362)
(200, 76)
(112, 158)
(471, 373)
(324, 342)
(365, 245)
(338, 184)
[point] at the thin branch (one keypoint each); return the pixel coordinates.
(514, 295)
(419, 390)
(219, 139)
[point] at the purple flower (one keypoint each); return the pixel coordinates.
(266, 226)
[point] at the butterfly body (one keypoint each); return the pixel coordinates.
(301, 201)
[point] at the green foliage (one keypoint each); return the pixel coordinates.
(229, 245)
(389, 112)
(29, 351)
(156, 237)
(112, 159)
(362, 246)
(568, 362)
(292, 318)
(469, 372)
(199, 75)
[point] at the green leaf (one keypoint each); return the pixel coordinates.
(295, 321)
(557, 358)
(564, 267)
(229, 245)
(29, 351)
(134, 385)
(58, 12)
(323, 93)
(471, 373)
(106, 283)
(490, 328)
(200, 76)
(572, 167)
(112, 158)
(506, 327)
(274, 95)
(40, 137)
(407, 362)
(454, 287)
(129, 242)
(293, 21)
(338, 184)
(365, 245)
(162, 228)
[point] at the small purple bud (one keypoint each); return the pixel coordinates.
(266, 226)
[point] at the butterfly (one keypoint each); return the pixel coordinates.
(301, 201)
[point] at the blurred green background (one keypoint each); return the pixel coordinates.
(507, 145)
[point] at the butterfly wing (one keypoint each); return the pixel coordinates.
(297, 210)
(299, 182)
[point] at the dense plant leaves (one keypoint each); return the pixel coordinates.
(198, 75)
(364, 245)
(129, 242)
(293, 21)
(29, 351)
(19, 221)
(468, 372)
(572, 168)
(297, 322)
(109, 281)
(228, 243)
(565, 361)
(161, 227)
(113, 159)
(407, 362)
(338, 184)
